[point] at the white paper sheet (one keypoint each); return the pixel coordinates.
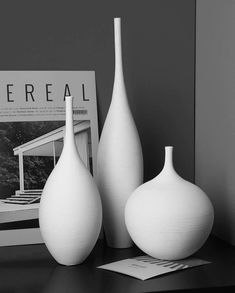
(145, 267)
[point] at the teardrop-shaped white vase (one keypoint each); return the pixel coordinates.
(120, 161)
(169, 217)
(70, 213)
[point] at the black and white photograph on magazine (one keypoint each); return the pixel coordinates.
(32, 124)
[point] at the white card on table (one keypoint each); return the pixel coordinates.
(145, 267)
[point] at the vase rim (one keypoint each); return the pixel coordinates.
(69, 98)
(169, 147)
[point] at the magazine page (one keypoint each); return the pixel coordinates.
(32, 120)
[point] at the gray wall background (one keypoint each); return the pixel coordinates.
(215, 110)
(158, 52)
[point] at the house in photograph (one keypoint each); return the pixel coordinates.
(24, 204)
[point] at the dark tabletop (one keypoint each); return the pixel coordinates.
(30, 268)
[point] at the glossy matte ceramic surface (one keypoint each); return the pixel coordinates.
(120, 160)
(169, 217)
(70, 213)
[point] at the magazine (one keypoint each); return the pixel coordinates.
(32, 122)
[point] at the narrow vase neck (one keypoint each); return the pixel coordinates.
(118, 51)
(69, 131)
(168, 165)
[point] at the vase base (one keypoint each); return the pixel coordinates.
(70, 263)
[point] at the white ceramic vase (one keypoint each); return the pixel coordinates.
(70, 213)
(168, 217)
(120, 161)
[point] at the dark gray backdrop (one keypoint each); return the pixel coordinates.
(158, 49)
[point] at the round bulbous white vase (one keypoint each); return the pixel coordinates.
(168, 217)
(70, 213)
(119, 158)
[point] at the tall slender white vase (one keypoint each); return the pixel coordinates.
(120, 161)
(70, 213)
(169, 217)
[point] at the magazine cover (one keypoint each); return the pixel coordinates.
(32, 120)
